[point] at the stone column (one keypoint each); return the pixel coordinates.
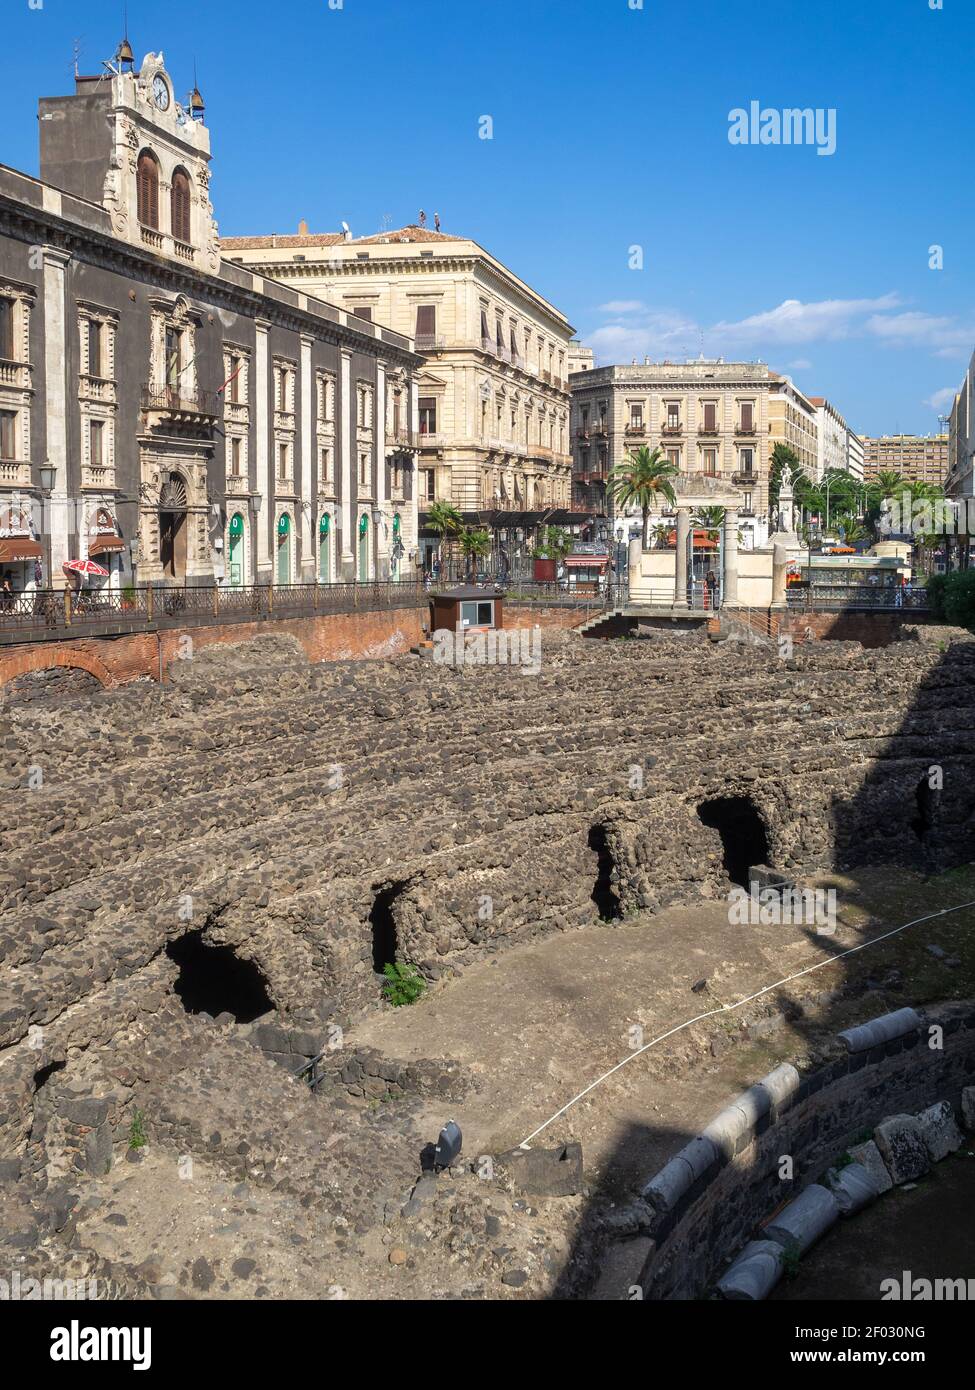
(346, 405)
(680, 559)
(306, 516)
(384, 529)
(262, 426)
(729, 589)
(55, 367)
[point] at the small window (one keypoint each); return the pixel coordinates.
(95, 335)
(477, 614)
(96, 435)
(8, 434)
(363, 311)
(428, 414)
(7, 330)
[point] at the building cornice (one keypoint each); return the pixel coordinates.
(65, 239)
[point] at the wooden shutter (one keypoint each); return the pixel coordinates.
(181, 206)
(426, 320)
(148, 191)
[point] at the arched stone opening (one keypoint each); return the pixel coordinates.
(603, 894)
(215, 980)
(382, 920)
(744, 836)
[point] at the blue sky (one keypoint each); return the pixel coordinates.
(610, 131)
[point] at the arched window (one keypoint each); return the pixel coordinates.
(181, 206)
(148, 190)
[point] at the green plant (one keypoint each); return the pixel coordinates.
(137, 1131)
(404, 984)
(554, 543)
(641, 480)
(790, 1261)
(474, 542)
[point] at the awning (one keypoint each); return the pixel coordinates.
(586, 562)
(105, 545)
(13, 551)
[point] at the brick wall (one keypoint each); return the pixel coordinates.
(332, 637)
(870, 629)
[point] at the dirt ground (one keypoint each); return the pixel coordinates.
(540, 1023)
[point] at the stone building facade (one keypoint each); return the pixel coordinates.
(175, 418)
(493, 392)
(708, 417)
(917, 458)
(793, 421)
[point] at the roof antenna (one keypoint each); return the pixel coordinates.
(77, 55)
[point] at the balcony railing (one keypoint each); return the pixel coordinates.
(97, 388)
(15, 374)
(14, 473)
(582, 432)
(429, 342)
(184, 251)
(747, 430)
(177, 400)
(672, 427)
(710, 430)
(402, 437)
(152, 238)
(98, 476)
(237, 485)
(744, 477)
(427, 439)
(636, 428)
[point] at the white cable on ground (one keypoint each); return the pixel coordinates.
(726, 1008)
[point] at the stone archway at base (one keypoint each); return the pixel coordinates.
(18, 662)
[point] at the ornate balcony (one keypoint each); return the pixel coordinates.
(183, 251)
(15, 374)
(152, 239)
(178, 405)
(14, 474)
(430, 342)
(672, 429)
(98, 388)
(237, 485)
(745, 479)
(97, 477)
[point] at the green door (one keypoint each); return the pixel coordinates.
(363, 549)
(284, 550)
(324, 567)
(235, 559)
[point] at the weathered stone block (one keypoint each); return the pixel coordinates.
(804, 1220)
(880, 1031)
(902, 1148)
(867, 1156)
(853, 1187)
(940, 1132)
(754, 1273)
(968, 1108)
(543, 1172)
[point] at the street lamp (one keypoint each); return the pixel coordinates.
(255, 504)
(48, 475)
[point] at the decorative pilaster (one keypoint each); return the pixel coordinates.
(680, 565)
(55, 369)
(265, 519)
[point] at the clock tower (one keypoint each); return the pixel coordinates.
(128, 141)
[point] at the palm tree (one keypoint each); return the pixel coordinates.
(640, 480)
(474, 542)
(662, 534)
(711, 520)
(444, 520)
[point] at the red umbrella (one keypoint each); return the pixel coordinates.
(84, 567)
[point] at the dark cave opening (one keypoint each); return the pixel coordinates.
(603, 893)
(926, 800)
(215, 980)
(385, 941)
(743, 834)
(42, 1077)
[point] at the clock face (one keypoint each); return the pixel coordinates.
(160, 92)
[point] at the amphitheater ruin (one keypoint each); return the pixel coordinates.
(203, 880)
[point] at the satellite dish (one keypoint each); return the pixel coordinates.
(346, 227)
(448, 1145)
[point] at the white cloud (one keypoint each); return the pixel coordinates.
(942, 398)
(636, 329)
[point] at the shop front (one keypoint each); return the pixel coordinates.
(107, 548)
(21, 555)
